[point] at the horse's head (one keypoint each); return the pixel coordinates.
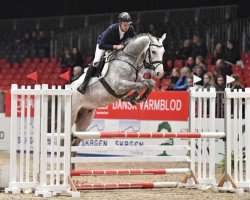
(154, 55)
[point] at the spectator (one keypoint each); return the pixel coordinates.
(43, 45)
(76, 58)
(220, 84)
(208, 81)
(236, 83)
(190, 82)
(33, 45)
(199, 72)
(152, 30)
(198, 47)
(185, 50)
(181, 84)
(218, 53)
(174, 78)
(66, 59)
(199, 61)
(232, 54)
(26, 39)
(224, 68)
(77, 72)
(220, 88)
(190, 63)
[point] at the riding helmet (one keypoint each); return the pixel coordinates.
(124, 17)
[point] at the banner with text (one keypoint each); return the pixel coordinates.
(158, 106)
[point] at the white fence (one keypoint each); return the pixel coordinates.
(47, 170)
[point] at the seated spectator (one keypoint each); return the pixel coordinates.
(66, 59)
(232, 54)
(33, 45)
(236, 83)
(174, 78)
(190, 63)
(77, 72)
(181, 84)
(220, 88)
(224, 68)
(220, 84)
(199, 61)
(198, 47)
(185, 50)
(152, 30)
(76, 58)
(190, 82)
(208, 81)
(218, 53)
(199, 72)
(43, 45)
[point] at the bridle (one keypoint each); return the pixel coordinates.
(151, 63)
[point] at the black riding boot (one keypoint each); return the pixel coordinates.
(90, 72)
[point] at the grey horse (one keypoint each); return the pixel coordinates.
(124, 74)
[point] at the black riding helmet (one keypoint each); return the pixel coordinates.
(124, 17)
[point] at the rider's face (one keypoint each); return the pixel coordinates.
(125, 26)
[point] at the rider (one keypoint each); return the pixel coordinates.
(110, 39)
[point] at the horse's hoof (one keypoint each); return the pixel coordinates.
(133, 103)
(143, 99)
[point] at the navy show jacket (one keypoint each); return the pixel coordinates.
(111, 36)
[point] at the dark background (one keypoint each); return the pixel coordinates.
(43, 8)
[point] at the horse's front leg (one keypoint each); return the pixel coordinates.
(150, 83)
(131, 98)
(125, 86)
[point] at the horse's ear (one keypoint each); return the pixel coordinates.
(151, 38)
(163, 38)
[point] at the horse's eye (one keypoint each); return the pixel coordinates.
(153, 52)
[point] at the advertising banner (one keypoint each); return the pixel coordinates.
(159, 106)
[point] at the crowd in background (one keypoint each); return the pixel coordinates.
(31, 44)
(196, 62)
(193, 54)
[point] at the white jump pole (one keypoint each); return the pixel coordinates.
(151, 135)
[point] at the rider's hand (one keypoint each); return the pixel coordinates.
(118, 47)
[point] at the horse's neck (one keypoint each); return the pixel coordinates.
(137, 48)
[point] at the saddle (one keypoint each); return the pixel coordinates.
(105, 59)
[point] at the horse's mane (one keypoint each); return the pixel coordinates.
(133, 38)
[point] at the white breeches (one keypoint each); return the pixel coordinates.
(98, 54)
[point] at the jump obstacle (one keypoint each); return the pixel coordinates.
(47, 169)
